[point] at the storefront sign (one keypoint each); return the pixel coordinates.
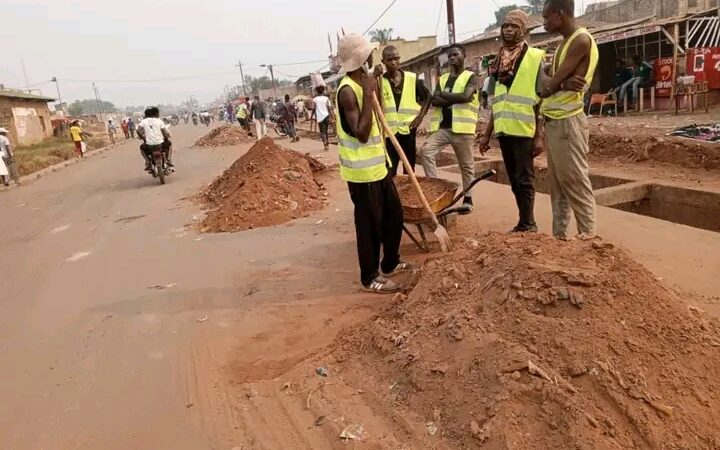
(704, 63)
(664, 77)
(620, 35)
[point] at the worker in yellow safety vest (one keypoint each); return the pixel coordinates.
(405, 101)
(570, 76)
(514, 118)
(454, 119)
(364, 166)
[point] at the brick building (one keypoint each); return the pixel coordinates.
(26, 116)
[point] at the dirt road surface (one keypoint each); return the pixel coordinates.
(125, 327)
(105, 294)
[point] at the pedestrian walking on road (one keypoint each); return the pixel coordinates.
(124, 126)
(8, 168)
(78, 137)
(454, 120)
(363, 165)
(566, 126)
(131, 127)
(402, 95)
(258, 113)
(290, 119)
(323, 113)
(513, 82)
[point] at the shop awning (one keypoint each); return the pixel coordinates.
(619, 35)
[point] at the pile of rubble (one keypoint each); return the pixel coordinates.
(528, 342)
(224, 135)
(266, 186)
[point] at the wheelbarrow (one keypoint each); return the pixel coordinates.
(442, 198)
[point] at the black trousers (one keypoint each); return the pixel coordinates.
(517, 153)
(378, 222)
(409, 146)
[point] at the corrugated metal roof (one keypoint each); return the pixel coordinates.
(24, 95)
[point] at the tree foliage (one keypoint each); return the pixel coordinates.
(255, 85)
(381, 35)
(536, 6)
(90, 106)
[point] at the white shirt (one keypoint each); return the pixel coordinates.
(153, 130)
(4, 145)
(322, 107)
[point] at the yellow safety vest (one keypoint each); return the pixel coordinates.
(513, 112)
(399, 118)
(464, 115)
(241, 113)
(564, 104)
(360, 162)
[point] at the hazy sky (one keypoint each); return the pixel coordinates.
(111, 42)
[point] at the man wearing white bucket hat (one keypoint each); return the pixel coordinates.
(364, 166)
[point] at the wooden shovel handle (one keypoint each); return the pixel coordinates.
(406, 163)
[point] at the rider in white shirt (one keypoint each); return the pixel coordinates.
(154, 132)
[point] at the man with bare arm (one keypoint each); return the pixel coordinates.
(566, 127)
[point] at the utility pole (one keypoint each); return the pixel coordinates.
(57, 85)
(27, 83)
(99, 102)
(451, 21)
(239, 64)
(272, 78)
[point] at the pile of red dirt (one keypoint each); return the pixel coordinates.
(522, 342)
(665, 149)
(266, 186)
(224, 135)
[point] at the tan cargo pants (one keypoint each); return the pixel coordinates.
(462, 144)
(569, 175)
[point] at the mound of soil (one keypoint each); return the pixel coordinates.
(224, 135)
(666, 149)
(266, 186)
(523, 342)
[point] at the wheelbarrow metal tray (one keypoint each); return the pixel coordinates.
(439, 193)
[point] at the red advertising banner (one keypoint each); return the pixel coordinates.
(704, 63)
(664, 77)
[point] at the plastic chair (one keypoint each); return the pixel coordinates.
(603, 100)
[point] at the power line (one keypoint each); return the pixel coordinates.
(440, 10)
(380, 17)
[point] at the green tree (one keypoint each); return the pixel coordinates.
(536, 6)
(90, 106)
(263, 82)
(381, 35)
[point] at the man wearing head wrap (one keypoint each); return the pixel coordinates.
(515, 108)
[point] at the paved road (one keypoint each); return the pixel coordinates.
(92, 357)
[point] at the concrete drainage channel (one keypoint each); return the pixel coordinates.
(695, 208)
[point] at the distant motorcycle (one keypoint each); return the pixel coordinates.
(278, 125)
(195, 120)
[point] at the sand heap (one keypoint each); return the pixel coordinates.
(525, 342)
(266, 186)
(224, 135)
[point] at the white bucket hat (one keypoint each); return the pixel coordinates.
(3, 130)
(353, 51)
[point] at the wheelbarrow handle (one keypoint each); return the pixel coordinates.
(483, 176)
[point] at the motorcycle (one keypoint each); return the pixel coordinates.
(195, 120)
(158, 164)
(278, 125)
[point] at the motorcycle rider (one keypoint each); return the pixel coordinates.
(155, 133)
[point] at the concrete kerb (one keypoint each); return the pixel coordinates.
(28, 179)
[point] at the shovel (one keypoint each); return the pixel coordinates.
(440, 231)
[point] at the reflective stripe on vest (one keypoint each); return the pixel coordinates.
(564, 104)
(360, 162)
(514, 111)
(399, 117)
(464, 115)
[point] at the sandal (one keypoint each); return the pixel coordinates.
(381, 285)
(401, 267)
